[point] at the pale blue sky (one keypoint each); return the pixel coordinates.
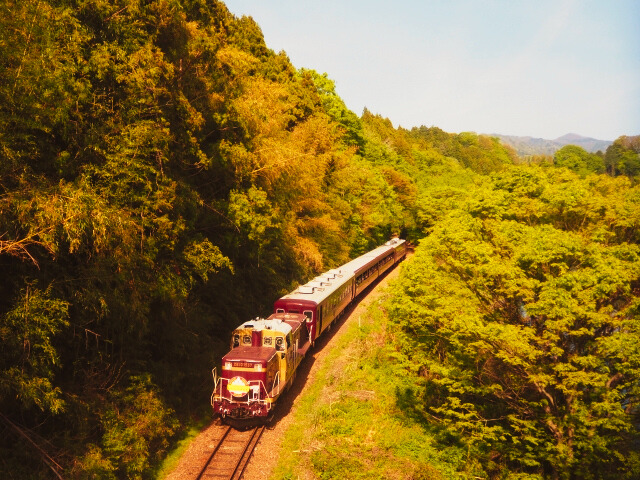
(541, 68)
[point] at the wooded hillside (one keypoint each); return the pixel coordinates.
(519, 317)
(164, 176)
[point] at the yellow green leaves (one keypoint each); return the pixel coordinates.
(260, 109)
(29, 357)
(252, 213)
(238, 62)
(578, 160)
(524, 321)
(137, 426)
(206, 258)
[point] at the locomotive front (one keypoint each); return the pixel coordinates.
(243, 389)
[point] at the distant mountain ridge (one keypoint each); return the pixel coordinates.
(525, 146)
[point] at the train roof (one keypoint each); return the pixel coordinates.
(292, 319)
(320, 287)
(395, 242)
(275, 324)
(363, 260)
(249, 354)
(328, 282)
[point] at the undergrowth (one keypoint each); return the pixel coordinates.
(351, 422)
(193, 429)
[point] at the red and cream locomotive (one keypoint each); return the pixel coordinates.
(265, 353)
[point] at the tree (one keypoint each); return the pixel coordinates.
(30, 358)
(524, 334)
(335, 107)
(578, 160)
(623, 157)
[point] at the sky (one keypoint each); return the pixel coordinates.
(539, 68)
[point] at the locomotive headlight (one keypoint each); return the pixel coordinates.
(227, 365)
(257, 367)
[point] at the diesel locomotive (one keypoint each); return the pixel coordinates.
(265, 352)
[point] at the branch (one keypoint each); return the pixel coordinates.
(614, 380)
(51, 463)
(18, 248)
(544, 392)
(116, 13)
(204, 204)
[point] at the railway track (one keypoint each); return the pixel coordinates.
(230, 454)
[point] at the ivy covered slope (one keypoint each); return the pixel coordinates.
(520, 318)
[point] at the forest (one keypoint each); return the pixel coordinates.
(164, 176)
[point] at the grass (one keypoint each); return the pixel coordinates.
(349, 425)
(172, 459)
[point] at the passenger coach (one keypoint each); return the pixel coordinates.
(325, 298)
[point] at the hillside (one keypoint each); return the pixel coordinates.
(165, 176)
(526, 146)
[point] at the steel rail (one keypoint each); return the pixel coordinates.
(213, 454)
(253, 442)
(242, 455)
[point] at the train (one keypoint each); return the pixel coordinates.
(266, 352)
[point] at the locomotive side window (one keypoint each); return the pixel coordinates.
(294, 311)
(279, 310)
(308, 314)
(246, 340)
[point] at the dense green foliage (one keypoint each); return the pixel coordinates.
(520, 317)
(623, 157)
(350, 424)
(579, 160)
(164, 176)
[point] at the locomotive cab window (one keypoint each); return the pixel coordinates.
(280, 344)
(246, 340)
(308, 314)
(280, 310)
(267, 340)
(236, 340)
